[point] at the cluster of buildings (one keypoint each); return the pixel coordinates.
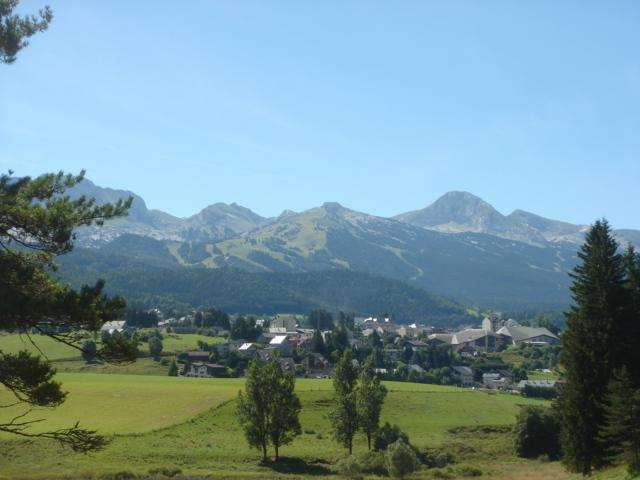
(284, 339)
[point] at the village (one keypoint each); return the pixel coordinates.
(467, 357)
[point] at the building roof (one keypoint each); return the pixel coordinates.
(537, 383)
(520, 333)
(278, 340)
(462, 370)
(442, 337)
(246, 346)
(470, 335)
(113, 326)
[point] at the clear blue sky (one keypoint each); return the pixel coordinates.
(381, 106)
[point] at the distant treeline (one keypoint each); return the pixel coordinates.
(173, 287)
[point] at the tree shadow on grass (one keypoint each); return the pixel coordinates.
(298, 466)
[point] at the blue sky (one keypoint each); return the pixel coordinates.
(381, 106)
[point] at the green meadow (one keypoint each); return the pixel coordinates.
(189, 424)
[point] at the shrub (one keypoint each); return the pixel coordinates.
(165, 471)
(539, 392)
(155, 347)
(434, 458)
(89, 350)
(124, 475)
(173, 369)
(537, 432)
(401, 460)
(388, 434)
(467, 471)
(374, 463)
(349, 467)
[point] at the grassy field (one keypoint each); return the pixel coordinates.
(190, 424)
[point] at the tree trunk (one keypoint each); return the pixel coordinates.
(350, 447)
(276, 447)
(264, 451)
(369, 440)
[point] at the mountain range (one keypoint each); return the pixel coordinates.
(459, 246)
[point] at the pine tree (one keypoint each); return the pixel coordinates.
(370, 395)
(284, 407)
(344, 417)
(632, 327)
(621, 433)
(590, 346)
(16, 30)
(173, 369)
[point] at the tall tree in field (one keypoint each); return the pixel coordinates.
(621, 432)
(284, 407)
(591, 346)
(15, 30)
(268, 410)
(370, 395)
(344, 417)
(253, 408)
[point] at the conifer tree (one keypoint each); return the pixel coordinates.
(621, 432)
(590, 347)
(631, 338)
(15, 30)
(370, 395)
(344, 417)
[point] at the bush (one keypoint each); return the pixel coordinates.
(388, 434)
(401, 460)
(89, 350)
(173, 369)
(434, 458)
(124, 475)
(165, 471)
(155, 347)
(349, 467)
(537, 432)
(539, 392)
(467, 471)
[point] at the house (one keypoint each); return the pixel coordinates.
(415, 344)
(202, 369)
(248, 350)
(518, 334)
(222, 349)
(494, 380)
(477, 338)
(282, 344)
(550, 384)
(416, 368)
(440, 339)
(464, 375)
(317, 365)
(197, 356)
(287, 323)
(114, 326)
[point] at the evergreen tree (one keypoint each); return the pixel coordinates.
(344, 417)
(370, 395)
(320, 319)
(173, 368)
(621, 432)
(253, 409)
(284, 407)
(16, 30)
(89, 350)
(155, 346)
(317, 342)
(590, 346)
(631, 338)
(36, 224)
